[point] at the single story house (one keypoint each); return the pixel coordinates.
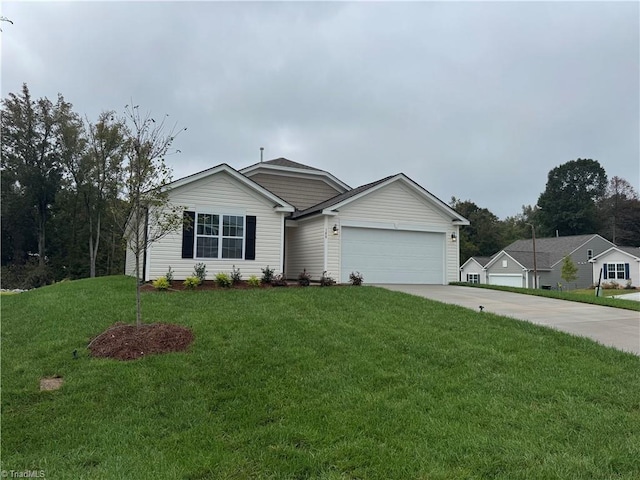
(293, 217)
(515, 264)
(473, 271)
(618, 264)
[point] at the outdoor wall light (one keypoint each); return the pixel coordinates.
(454, 237)
(335, 229)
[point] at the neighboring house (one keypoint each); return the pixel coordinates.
(473, 271)
(514, 265)
(618, 264)
(292, 217)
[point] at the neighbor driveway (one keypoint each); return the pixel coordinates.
(614, 327)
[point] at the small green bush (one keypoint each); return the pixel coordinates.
(223, 280)
(253, 281)
(267, 275)
(356, 278)
(161, 283)
(236, 276)
(200, 271)
(191, 282)
(304, 279)
(169, 275)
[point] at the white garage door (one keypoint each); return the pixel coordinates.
(393, 256)
(506, 280)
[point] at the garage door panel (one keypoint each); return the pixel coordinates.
(392, 256)
(506, 280)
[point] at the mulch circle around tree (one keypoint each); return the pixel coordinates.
(129, 342)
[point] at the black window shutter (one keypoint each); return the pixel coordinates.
(188, 230)
(626, 271)
(604, 271)
(250, 244)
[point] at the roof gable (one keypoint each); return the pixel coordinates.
(289, 168)
(556, 248)
(332, 205)
(633, 252)
(499, 255)
(279, 203)
(481, 261)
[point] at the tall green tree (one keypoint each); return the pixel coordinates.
(483, 236)
(32, 144)
(568, 203)
(619, 212)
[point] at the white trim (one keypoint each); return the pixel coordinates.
(326, 244)
(282, 255)
(393, 226)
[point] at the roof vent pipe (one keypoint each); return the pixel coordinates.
(261, 152)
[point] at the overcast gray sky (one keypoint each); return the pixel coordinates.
(475, 100)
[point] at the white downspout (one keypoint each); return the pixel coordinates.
(326, 243)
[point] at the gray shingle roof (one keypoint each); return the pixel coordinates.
(635, 251)
(554, 247)
(482, 260)
(285, 162)
(543, 259)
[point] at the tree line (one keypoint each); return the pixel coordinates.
(578, 199)
(70, 184)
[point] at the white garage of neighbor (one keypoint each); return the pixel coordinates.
(507, 280)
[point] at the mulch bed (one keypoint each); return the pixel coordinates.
(129, 342)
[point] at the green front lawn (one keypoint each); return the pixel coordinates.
(322, 383)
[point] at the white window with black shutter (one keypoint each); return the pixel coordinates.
(209, 235)
(615, 271)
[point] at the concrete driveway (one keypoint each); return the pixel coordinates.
(614, 327)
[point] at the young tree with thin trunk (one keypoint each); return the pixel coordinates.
(150, 216)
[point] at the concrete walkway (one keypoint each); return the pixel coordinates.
(614, 327)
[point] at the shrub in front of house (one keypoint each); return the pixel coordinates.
(326, 280)
(169, 276)
(304, 279)
(279, 281)
(253, 281)
(267, 275)
(356, 278)
(200, 271)
(223, 280)
(236, 276)
(191, 282)
(161, 283)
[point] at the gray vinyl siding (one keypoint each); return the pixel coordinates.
(496, 267)
(298, 191)
(305, 248)
(580, 258)
(221, 194)
(397, 206)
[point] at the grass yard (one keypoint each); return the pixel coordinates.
(318, 383)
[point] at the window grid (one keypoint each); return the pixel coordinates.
(219, 236)
(615, 271)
